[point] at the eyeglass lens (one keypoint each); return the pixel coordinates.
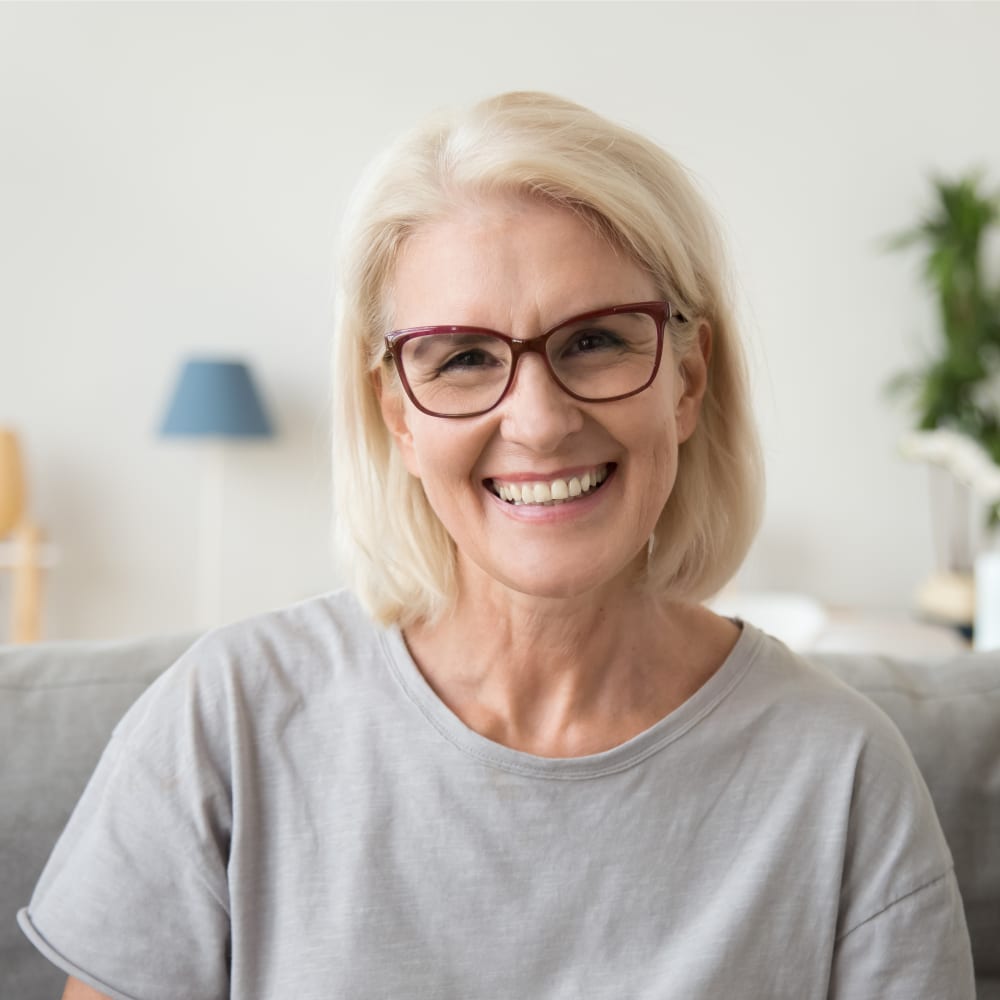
(468, 371)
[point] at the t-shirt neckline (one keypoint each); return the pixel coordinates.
(619, 758)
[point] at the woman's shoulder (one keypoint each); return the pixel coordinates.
(310, 635)
(835, 737)
(805, 698)
(264, 664)
(328, 626)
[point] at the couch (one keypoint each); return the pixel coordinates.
(59, 702)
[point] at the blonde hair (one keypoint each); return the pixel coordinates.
(398, 554)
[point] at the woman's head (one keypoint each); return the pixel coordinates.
(533, 149)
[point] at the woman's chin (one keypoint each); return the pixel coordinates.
(547, 577)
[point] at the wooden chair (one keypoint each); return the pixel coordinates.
(22, 555)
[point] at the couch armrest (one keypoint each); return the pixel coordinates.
(59, 702)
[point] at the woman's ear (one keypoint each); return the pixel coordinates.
(393, 406)
(693, 374)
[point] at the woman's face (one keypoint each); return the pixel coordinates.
(520, 266)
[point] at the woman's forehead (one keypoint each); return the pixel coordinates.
(507, 261)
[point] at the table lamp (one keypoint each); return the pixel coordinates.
(213, 401)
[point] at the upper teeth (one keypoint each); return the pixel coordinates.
(552, 490)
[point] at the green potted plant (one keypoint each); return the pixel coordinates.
(956, 392)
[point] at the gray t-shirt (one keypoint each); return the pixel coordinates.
(291, 813)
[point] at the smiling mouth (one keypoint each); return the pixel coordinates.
(549, 492)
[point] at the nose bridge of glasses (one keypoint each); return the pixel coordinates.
(534, 345)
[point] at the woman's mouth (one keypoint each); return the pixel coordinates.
(548, 492)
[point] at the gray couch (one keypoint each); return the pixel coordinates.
(59, 702)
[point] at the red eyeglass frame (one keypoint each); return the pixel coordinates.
(661, 311)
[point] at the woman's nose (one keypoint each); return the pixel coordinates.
(536, 411)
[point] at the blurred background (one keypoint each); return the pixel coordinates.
(172, 177)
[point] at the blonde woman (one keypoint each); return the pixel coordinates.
(521, 759)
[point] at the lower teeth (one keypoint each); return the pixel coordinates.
(544, 503)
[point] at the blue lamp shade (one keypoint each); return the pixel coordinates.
(216, 399)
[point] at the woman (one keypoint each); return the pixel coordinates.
(528, 763)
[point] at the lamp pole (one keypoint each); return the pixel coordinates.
(210, 527)
(215, 400)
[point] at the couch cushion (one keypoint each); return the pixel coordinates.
(948, 710)
(58, 705)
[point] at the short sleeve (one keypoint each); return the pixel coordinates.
(134, 898)
(901, 931)
(916, 948)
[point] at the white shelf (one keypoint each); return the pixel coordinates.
(808, 626)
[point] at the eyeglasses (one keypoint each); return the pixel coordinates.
(597, 357)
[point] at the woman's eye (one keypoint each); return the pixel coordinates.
(586, 341)
(467, 359)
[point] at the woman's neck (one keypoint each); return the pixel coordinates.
(568, 677)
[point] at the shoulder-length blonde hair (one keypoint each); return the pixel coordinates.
(400, 558)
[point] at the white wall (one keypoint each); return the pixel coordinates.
(171, 179)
